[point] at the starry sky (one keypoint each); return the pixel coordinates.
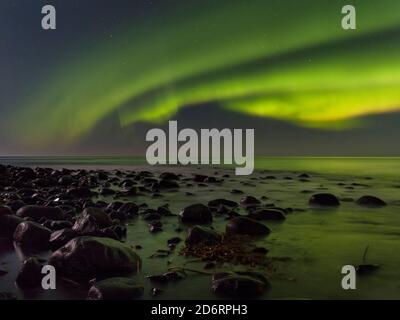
(114, 69)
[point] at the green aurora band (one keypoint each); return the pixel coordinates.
(288, 60)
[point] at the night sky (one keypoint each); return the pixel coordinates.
(114, 69)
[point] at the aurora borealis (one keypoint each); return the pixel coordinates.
(287, 60)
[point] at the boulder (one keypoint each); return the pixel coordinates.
(199, 178)
(324, 200)
(249, 201)
(239, 285)
(168, 184)
(371, 201)
(91, 220)
(37, 212)
(4, 210)
(61, 237)
(81, 192)
(32, 235)
(247, 226)
(115, 289)
(8, 224)
(130, 208)
(30, 276)
(196, 213)
(85, 258)
(203, 235)
(218, 202)
(267, 214)
(169, 176)
(152, 216)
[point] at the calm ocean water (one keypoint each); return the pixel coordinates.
(362, 166)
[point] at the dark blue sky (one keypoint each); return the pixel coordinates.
(28, 53)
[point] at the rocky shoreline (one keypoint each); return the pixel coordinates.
(82, 218)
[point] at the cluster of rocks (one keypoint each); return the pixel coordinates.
(46, 209)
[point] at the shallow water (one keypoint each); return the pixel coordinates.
(318, 241)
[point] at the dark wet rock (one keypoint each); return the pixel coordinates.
(130, 208)
(303, 175)
(152, 216)
(30, 276)
(32, 235)
(199, 178)
(270, 178)
(117, 288)
(174, 240)
(249, 201)
(57, 225)
(243, 225)
(120, 231)
(324, 200)
(102, 175)
(174, 275)
(4, 210)
(85, 258)
(196, 213)
(153, 228)
(108, 233)
(371, 201)
(129, 192)
(217, 202)
(211, 180)
(239, 285)
(169, 176)
(91, 220)
(15, 205)
(116, 205)
(61, 237)
(364, 269)
(168, 184)
(236, 191)
(8, 224)
(81, 192)
(164, 211)
(3, 169)
(170, 276)
(267, 214)
(203, 235)
(158, 278)
(65, 180)
(37, 212)
(222, 209)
